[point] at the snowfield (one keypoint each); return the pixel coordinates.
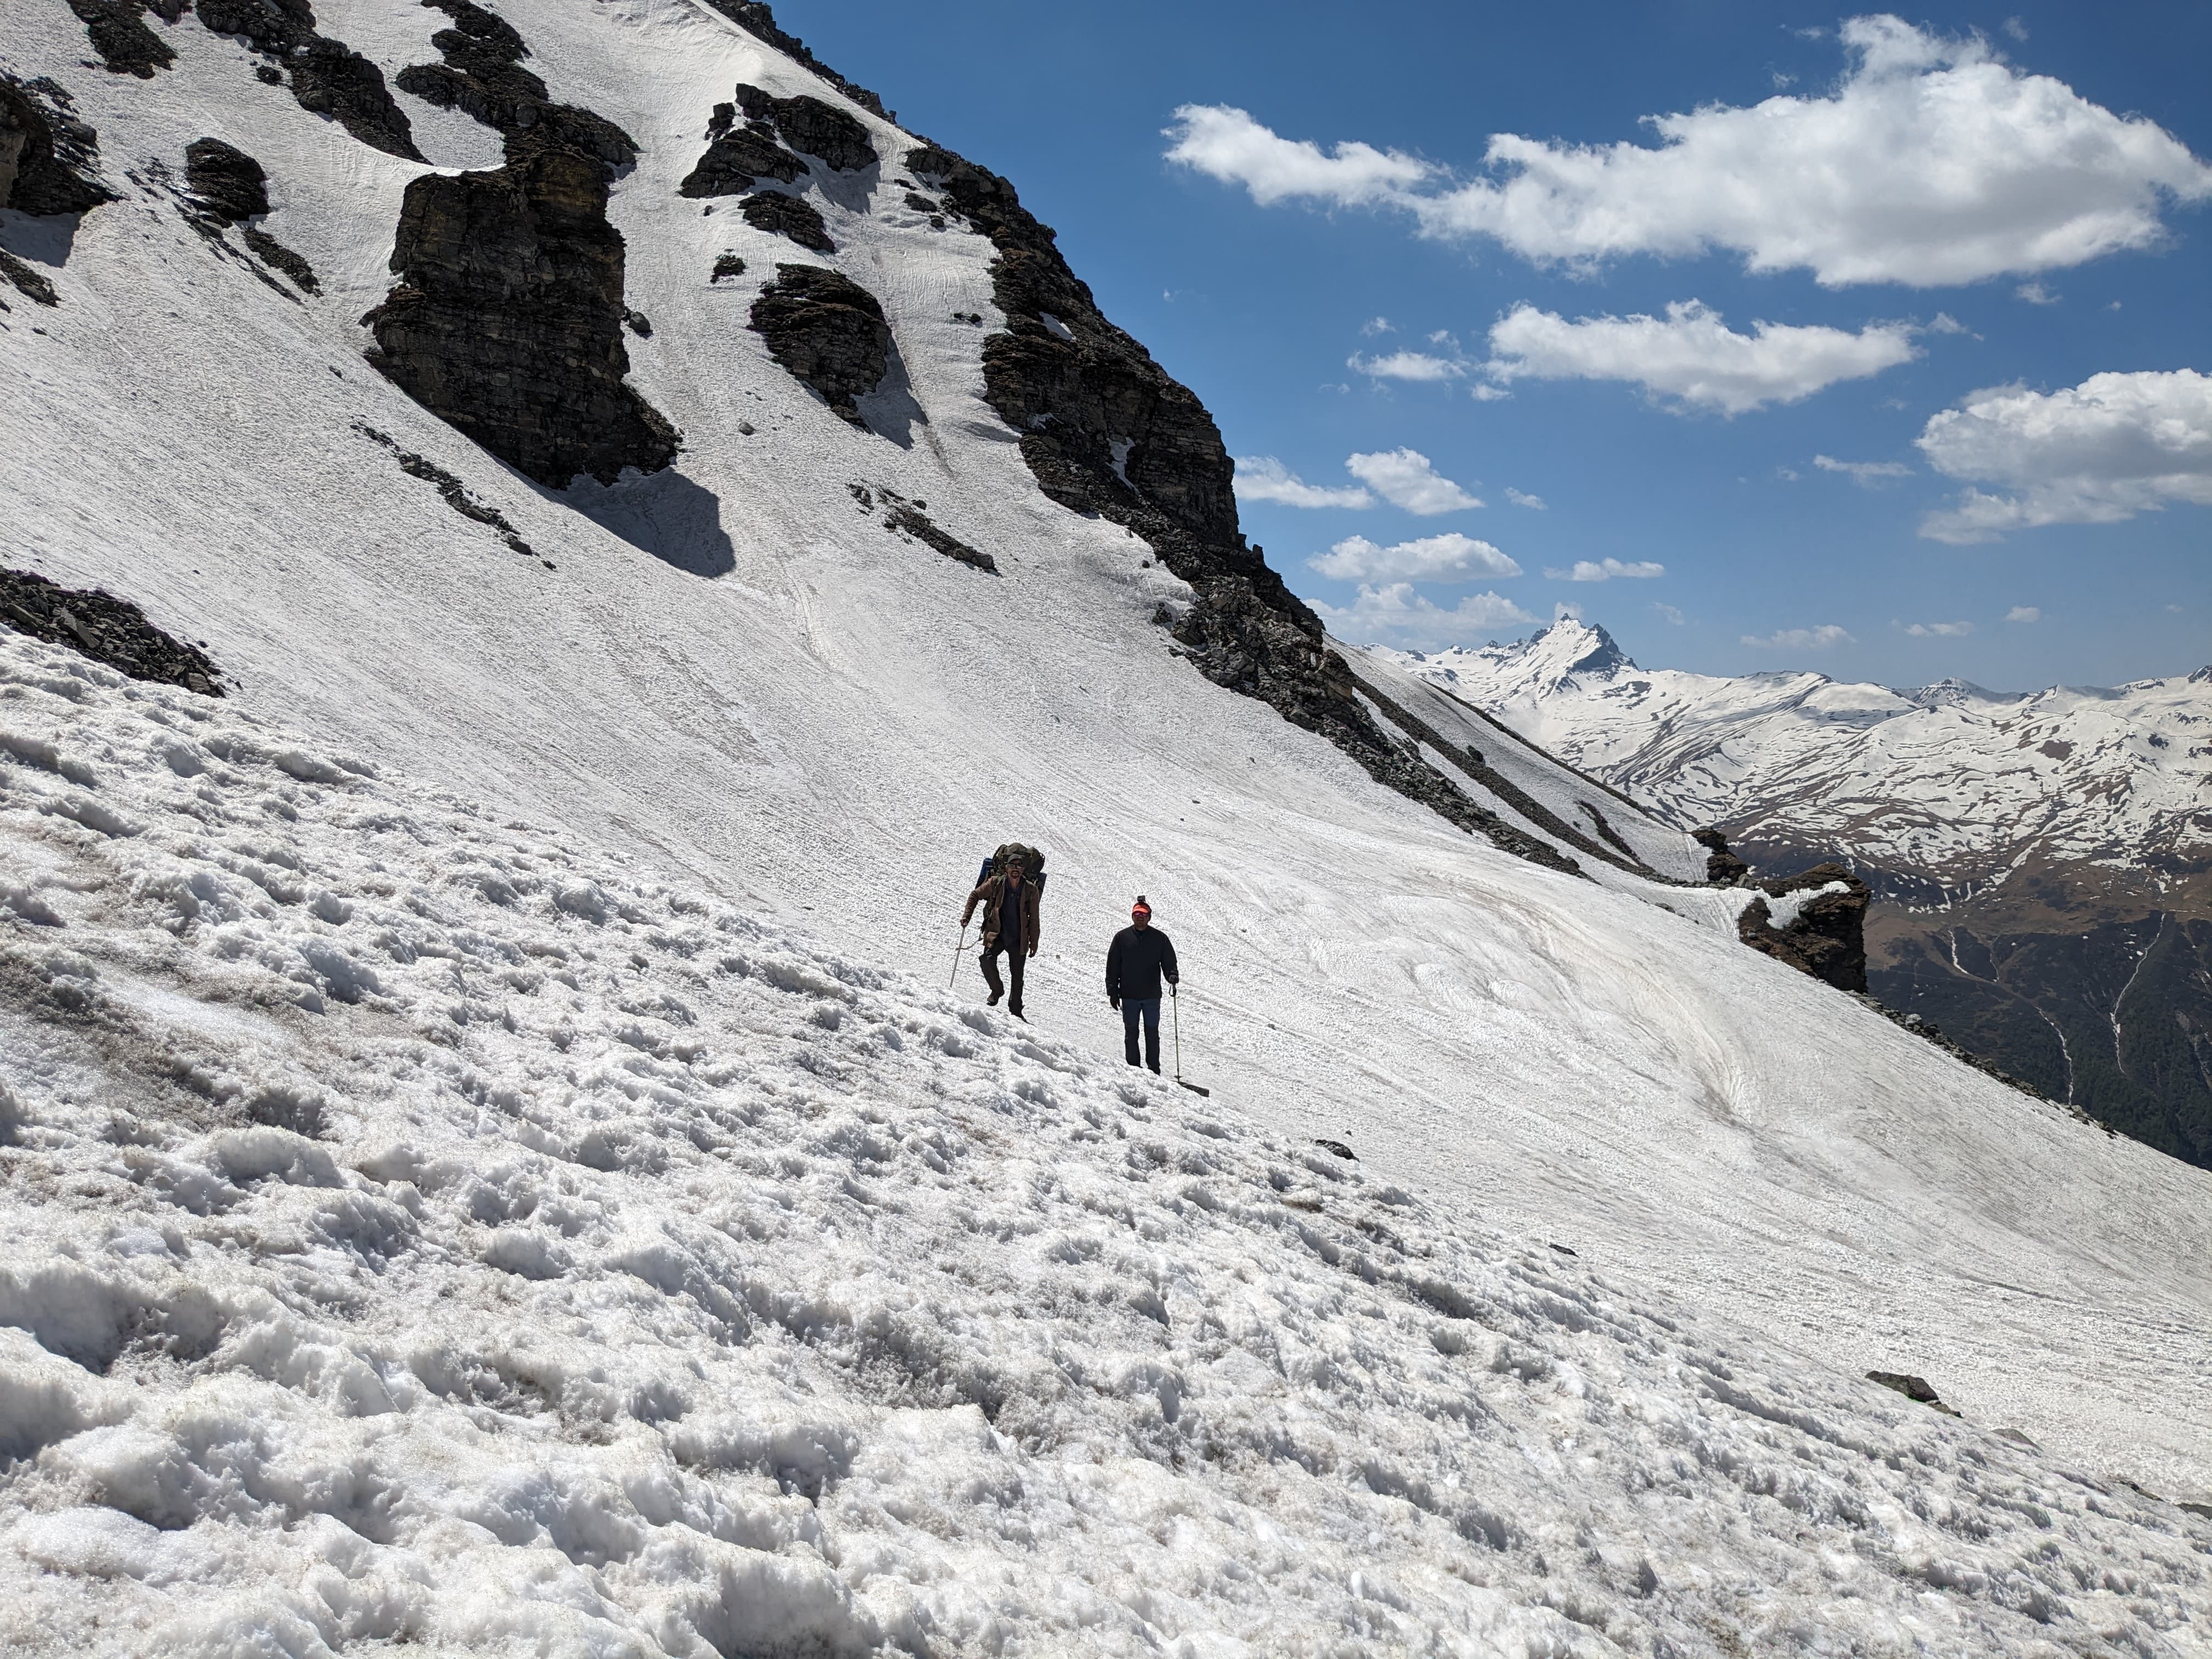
(1955, 785)
(429, 1234)
(607, 1238)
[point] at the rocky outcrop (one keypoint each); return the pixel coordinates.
(228, 187)
(118, 33)
(230, 184)
(827, 331)
(49, 159)
(1826, 935)
(904, 518)
(737, 159)
(482, 76)
(1723, 868)
(755, 17)
(106, 628)
(791, 216)
(452, 490)
(1105, 430)
(327, 76)
(1917, 1389)
(508, 319)
(811, 126)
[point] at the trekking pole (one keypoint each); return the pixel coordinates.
(958, 952)
(1174, 1004)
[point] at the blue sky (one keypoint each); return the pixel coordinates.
(1827, 492)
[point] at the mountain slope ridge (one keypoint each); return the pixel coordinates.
(2028, 849)
(734, 677)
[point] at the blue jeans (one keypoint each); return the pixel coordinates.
(1149, 1009)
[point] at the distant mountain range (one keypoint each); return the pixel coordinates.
(2042, 861)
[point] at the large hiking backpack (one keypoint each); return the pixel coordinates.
(1032, 862)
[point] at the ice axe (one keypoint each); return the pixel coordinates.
(958, 952)
(1174, 1004)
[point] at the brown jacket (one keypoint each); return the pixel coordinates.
(992, 896)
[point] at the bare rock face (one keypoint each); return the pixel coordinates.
(49, 160)
(482, 76)
(737, 157)
(755, 17)
(508, 319)
(787, 215)
(229, 182)
(827, 331)
(106, 628)
(812, 127)
(1825, 938)
(328, 76)
(1723, 868)
(118, 33)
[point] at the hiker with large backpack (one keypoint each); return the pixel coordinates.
(1139, 957)
(1009, 888)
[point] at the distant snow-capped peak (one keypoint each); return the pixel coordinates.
(1947, 781)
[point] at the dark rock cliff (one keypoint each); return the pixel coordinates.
(229, 188)
(812, 127)
(792, 217)
(828, 331)
(118, 33)
(508, 319)
(755, 17)
(737, 158)
(1825, 938)
(327, 76)
(1723, 868)
(49, 159)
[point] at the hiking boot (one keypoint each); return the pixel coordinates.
(992, 1002)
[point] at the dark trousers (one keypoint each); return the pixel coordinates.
(1015, 958)
(1149, 1009)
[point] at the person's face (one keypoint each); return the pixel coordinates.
(1014, 870)
(1140, 918)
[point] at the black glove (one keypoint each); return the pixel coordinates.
(1114, 1002)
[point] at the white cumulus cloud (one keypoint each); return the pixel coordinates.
(2115, 446)
(1604, 571)
(1522, 498)
(1405, 478)
(1406, 366)
(1668, 614)
(1802, 639)
(1690, 355)
(1865, 474)
(1448, 558)
(1264, 478)
(1397, 615)
(1228, 144)
(2024, 613)
(1932, 161)
(1950, 630)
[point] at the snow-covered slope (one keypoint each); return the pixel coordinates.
(1941, 789)
(425, 1233)
(729, 680)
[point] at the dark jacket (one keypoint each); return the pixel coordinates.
(1019, 933)
(1137, 961)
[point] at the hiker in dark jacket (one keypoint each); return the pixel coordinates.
(1139, 957)
(1010, 924)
